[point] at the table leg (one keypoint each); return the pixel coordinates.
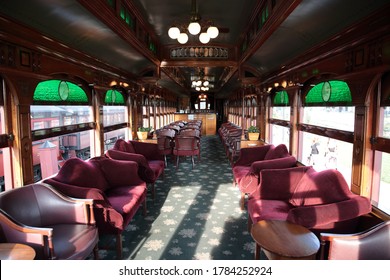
(257, 252)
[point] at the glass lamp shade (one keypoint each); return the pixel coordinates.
(204, 38)
(205, 83)
(213, 32)
(194, 27)
(183, 38)
(174, 32)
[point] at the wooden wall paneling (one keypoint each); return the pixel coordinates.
(358, 148)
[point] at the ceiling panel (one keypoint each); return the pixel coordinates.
(309, 24)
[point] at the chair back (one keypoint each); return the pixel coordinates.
(165, 144)
(186, 143)
(33, 205)
(372, 244)
(176, 128)
(190, 132)
(166, 132)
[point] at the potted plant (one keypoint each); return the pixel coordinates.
(143, 132)
(253, 132)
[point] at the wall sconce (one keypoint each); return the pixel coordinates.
(202, 97)
(121, 84)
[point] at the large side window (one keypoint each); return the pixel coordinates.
(326, 128)
(279, 121)
(61, 121)
(380, 191)
(115, 118)
(5, 171)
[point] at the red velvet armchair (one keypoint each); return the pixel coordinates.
(165, 142)
(246, 169)
(147, 155)
(56, 226)
(114, 185)
(320, 201)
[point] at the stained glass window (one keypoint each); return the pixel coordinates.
(329, 92)
(114, 97)
(57, 91)
(281, 99)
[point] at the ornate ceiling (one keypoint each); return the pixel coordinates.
(257, 38)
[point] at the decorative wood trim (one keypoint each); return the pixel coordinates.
(58, 131)
(327, 132)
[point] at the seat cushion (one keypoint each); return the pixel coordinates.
(261, 209)
(74, 241)
(126, 200)
(82, 173)
(120, 173)
(123, 146)
(315, 188)
(144, 170)
(277, 152)
(157, 166)
(240, 171)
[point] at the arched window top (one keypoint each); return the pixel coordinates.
(385, 88)
(114, 97)
(281, 99)
(254, 102)
(329, 92)
(57, 91)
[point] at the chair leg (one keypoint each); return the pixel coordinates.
(177, 162)
(192, 159)
(145, 208)
(242, 201)
(96, 252)
(153, 190)
(165, 160)
(257, 252)
(119, 246)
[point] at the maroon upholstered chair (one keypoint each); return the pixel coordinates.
(371, 244)
(165, 142)
(246, 170)
(190, 132)
(320, 201)
(150, 160)
(186, 146)
(114, 185)
(56, 226)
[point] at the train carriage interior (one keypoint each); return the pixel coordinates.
(195, 130)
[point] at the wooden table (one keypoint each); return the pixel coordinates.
(16, 251)
(152, 140)
(281, 240)
(250, 143)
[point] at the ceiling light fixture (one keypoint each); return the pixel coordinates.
(194, 28)
(202, 82)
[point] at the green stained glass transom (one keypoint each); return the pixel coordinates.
(58, 91)
(114, 97)
(329, 92)
(281, 98)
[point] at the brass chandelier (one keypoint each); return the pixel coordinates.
(194, 28)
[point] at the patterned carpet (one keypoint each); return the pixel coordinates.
(196, 214)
